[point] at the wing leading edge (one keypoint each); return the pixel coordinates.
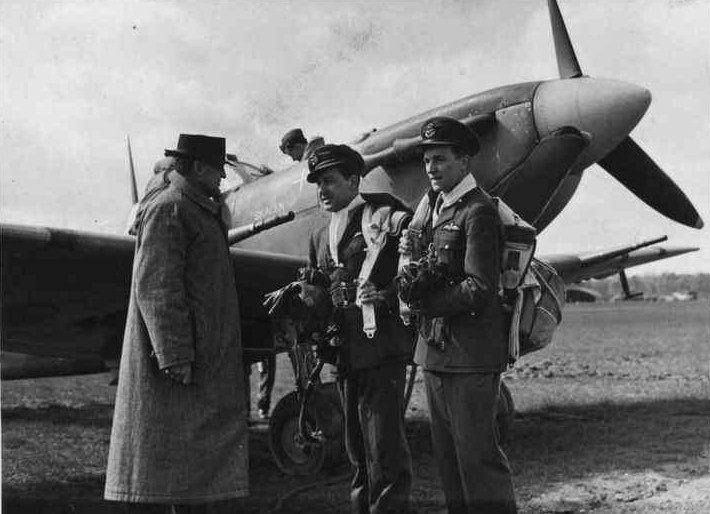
(577, 267)
(65, 293)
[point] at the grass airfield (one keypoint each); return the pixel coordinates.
(612, 418)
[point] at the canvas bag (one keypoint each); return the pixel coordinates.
(537, 311)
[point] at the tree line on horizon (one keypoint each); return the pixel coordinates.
(652, 286)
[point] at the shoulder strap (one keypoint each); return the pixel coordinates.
(375, 226)
(422, 213)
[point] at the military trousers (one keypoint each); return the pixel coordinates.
(474, 470)
(373, 403)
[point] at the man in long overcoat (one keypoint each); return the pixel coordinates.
(179, 429)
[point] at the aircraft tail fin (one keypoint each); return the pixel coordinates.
(134, 188)
(566, 59)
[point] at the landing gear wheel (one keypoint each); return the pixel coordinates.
(505, 415)
(292, 454)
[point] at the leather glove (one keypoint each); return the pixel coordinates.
(314, 276)
(315, 300)
(406, 281)
(284, 302)
(418, 280)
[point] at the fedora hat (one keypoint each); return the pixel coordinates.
(207, 149)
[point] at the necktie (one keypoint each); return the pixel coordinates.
(437, 207)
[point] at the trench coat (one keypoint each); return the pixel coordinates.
(172, 443)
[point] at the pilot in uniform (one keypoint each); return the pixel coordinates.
(461, 344)
(362, 235)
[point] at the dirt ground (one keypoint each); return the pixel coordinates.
(612, 418)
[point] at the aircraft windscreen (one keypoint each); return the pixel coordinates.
(239, 173)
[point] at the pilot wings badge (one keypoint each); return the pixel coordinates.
(451, 227)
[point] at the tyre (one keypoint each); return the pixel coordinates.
(505, 414)
(292, 453)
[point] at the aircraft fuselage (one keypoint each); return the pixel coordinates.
(536, 139)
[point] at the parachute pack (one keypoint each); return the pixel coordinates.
(532, 291)
(537, 310)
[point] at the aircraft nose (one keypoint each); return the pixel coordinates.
(607, 110)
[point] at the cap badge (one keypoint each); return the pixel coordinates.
(429, 131)
(313, 160)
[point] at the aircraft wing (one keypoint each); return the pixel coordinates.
(65, 293)
(577, 267)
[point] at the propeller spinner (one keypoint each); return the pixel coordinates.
(592, 104)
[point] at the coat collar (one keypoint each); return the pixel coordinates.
(353, 226)
(466, 184)
(448, 211)
(204, 201)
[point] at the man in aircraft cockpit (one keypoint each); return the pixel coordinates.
(295, 145)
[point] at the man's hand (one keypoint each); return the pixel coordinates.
(370, 294)
(180, 373)
(283, 302)
(406, 247)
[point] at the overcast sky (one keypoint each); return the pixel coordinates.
(77, 76)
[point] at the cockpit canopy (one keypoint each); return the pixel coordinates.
(240, 172)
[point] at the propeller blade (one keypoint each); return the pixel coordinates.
(134, 188)
(530, 188)
(631, 166)
(566, 59)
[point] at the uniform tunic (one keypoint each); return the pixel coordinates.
(172, 443)
(462, 349)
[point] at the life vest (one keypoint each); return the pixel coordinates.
(378, 223)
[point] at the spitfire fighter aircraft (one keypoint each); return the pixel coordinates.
(65, 293)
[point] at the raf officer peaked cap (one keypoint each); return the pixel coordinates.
(292, 137)
(207, 149)
(445, 131)
(332, 156)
